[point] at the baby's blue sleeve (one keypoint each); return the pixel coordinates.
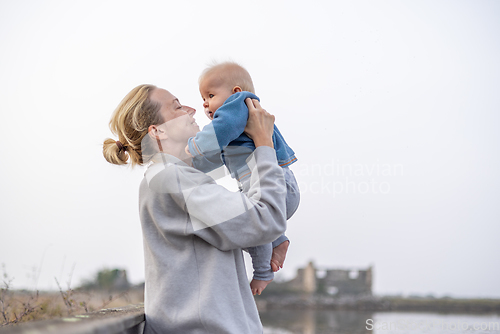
(205, 142)
(205, 150)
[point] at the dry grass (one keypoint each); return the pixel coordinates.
(22, 306)
(18, 306)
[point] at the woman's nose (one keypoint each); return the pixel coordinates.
(189, 110)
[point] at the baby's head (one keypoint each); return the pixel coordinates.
(220, 81)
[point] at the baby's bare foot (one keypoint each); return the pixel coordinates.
(279, 254)
(258, 286)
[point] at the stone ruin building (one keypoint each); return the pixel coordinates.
(336, 282)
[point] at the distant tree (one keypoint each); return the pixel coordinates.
(108, 279)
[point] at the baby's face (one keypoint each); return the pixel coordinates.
(214, 93)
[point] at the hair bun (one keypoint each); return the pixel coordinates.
(114, 152)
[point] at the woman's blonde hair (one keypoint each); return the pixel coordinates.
(130, 122)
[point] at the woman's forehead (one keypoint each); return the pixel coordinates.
(167, 101)
(163, 96)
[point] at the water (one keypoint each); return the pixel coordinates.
(356, 322)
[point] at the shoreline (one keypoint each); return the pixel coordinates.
(377, 304)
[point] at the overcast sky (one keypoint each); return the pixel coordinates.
(392, 108)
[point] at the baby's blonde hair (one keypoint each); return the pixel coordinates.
(130, 122)
(231, 74)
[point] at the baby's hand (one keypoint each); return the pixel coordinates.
(187, 151)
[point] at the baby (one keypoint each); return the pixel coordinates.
(224, 88)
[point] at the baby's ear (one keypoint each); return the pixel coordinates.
(237, 89)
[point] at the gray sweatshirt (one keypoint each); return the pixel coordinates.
(193, 232)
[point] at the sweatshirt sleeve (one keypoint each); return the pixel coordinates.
(229, 220)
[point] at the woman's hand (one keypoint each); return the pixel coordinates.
(260, 124)
(186, 149)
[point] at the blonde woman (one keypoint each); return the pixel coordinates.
(193, 229)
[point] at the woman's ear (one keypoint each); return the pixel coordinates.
(237, 89)
(155, 132)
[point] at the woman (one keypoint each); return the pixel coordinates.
(193, 229)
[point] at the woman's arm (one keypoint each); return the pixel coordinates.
(197, 205)
(230, 220)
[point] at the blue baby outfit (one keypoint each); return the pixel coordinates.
(226, 134)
